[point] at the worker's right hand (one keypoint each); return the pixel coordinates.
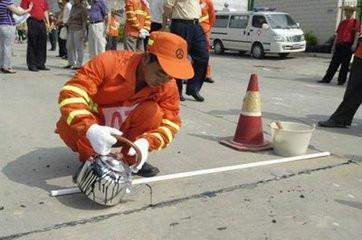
(101, 139)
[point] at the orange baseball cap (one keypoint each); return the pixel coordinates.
(171, 52)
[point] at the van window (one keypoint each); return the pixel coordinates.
(258, 21)
(281, 21)
(221, 21)
(240, 21)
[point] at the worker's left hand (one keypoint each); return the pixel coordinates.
(143, 33)
(143, 145)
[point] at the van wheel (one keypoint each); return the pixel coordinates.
(257, 51)
(218, 47)
(283, 55)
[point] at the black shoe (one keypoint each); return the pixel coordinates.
(195, 95)
(75, 68)
(322, 81)
(68, 66)
(33, 69)
(43, 68)
(332, 124)
(148, 170)
(209, 80)
(340, 83)
(182, 98)
(64, 57)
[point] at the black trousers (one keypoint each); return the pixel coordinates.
(62, 44)
(342, 56)
(197, 47)
(352, 97)
(37, 43)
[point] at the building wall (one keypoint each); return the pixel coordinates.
(318, 16)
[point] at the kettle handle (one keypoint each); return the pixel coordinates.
(131, 144)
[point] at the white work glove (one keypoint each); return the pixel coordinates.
(143, 145)
(101, 139)
(143, 33)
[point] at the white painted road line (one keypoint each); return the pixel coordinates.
(61, 192)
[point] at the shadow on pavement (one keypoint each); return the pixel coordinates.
(352, 204)
(37, 168)
(41, 167)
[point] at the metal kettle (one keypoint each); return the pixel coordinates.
(106, 179)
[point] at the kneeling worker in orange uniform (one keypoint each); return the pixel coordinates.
(126, 93)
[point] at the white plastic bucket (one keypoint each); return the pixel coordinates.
(293, 139)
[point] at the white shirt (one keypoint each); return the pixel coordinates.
(66, 12)
(156, 7)
(184, 9)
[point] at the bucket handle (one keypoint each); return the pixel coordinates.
(138, 155)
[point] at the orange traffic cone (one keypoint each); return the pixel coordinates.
(249, 132)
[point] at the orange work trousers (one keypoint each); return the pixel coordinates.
(145, 117)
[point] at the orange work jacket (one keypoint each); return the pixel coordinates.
(109, 80)
(137, 16)
(112, 27)
(208, 17)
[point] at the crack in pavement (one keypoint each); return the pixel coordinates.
(209, 194)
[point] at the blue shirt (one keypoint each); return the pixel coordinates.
(98, 11)
(6, 16)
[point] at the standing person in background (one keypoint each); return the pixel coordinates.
(97, 19)
(64, 20)
(138, 24)
(156, 8)
(352, 99)
(37, 23)
(226, 7)
(7, 32)
(61, 45)
(77, 27)
(207, 20)
(52, 32)
(342, 49)
(185, 17)
(114, 21)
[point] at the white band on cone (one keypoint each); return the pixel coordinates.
(251, 104)
(251, 114)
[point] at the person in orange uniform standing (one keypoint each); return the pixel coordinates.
(342, 49)
(112, 29)
(126, 93)
(138, 24)
(352, 99)
(207, 20)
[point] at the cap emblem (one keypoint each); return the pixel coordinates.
(179, 53)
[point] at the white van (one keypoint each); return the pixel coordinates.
(257, 32)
